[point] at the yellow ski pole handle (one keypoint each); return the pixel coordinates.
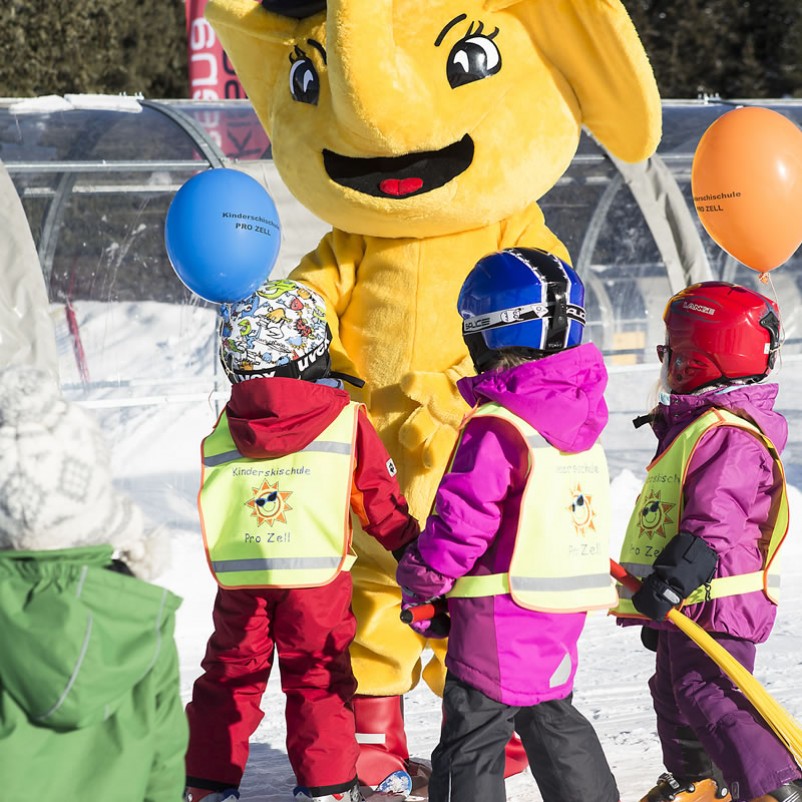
(771, 711)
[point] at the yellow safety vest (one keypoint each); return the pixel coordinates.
(282, 522)
(561, 558)
(658, 512)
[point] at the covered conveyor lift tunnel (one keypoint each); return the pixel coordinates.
(91, 178)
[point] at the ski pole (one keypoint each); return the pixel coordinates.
(422, 612)
(621, 574)
(770, 710)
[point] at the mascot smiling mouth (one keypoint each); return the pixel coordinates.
(400, 176)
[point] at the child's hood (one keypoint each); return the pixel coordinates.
(754, 402)
(270, 418)
(76, 636)
(562, 395)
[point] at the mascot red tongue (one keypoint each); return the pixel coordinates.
(423, 132)
(400, 186)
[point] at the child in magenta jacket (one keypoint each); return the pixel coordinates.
(512, 657)
(274, 348)
(713, 513)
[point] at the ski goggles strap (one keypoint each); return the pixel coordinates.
(505, 317)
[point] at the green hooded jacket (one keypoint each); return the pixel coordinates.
(90, 704)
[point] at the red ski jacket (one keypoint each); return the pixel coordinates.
(275, 416)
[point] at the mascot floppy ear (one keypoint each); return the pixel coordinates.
(261, 44)
(594, 44)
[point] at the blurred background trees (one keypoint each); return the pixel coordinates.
(95, 46)
(735, 48)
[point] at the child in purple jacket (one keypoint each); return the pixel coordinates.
(705, 532)
(517, 538)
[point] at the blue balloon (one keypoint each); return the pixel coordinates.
(222, 235)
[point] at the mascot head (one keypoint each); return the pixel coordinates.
(420, 118)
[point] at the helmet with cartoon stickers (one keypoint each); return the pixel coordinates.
(279, 330)
(521, 298)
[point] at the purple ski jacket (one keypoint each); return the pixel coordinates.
(727, 497)
(515, 656)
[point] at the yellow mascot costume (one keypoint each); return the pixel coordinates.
(423, 132)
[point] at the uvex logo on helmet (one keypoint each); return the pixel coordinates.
(307, 359)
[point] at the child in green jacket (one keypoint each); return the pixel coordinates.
(89, 689)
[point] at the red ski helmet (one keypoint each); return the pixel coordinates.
(717, 331)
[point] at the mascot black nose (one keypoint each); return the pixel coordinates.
(294, 8)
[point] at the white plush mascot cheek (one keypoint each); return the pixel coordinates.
(424, 131)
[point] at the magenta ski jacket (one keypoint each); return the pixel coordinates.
(727, 497)
(513, 655)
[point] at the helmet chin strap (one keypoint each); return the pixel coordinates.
(716, 384)
(346, 377)
(723, 382)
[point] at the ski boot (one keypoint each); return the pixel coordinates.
(671, 789)
(353, 794)
(790, 792)
(192, 794)
(381, 737)
(397, 785)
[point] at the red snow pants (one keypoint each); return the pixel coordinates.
(311, 629)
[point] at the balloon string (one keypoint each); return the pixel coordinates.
(767, 279)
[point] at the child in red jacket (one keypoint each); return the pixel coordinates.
(288, 461)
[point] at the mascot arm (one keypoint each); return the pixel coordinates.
(529, 230)
(331, 271)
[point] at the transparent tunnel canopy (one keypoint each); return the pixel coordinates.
(95, 185)
(95, 176)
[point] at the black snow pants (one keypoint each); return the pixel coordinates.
(564, 752)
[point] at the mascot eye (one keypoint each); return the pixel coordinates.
(473, 58)
(304, 81)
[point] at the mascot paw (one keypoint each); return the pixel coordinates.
(433, 427)
(423, 433)
(438, 392)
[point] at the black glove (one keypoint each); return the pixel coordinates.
(655, 598)
(401, 551)
(684, 564)
(440, 626)
(648, 637)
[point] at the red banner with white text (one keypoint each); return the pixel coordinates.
(211, 77)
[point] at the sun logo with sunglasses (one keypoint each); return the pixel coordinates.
(653, 516)
(582, 513)
(269, 504)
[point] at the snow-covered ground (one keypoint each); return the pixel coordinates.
(152, 373)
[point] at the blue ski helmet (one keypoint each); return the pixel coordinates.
(521, 298)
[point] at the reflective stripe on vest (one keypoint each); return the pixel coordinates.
(658, 512)
(560, 561)
(282, 522)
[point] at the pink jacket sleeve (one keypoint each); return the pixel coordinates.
(488, 466)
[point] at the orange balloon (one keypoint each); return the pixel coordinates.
(746, 181)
